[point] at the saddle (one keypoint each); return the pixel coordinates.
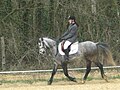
(64, 45)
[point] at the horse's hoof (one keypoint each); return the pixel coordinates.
(74, 80)
(49, 83)
(106, 78)
(83, 81)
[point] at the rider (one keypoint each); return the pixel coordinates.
(70, 35)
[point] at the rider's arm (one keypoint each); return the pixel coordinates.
(71, 33)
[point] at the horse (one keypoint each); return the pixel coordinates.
(88, 50)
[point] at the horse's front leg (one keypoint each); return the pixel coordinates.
(53, 73)
(65, 70)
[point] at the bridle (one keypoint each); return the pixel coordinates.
(43, 46)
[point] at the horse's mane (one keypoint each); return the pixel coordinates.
(49, 39)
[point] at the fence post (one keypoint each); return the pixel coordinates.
(3, 52)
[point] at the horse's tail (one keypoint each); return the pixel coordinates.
(104, 48)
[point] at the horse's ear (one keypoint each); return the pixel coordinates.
(41, 38)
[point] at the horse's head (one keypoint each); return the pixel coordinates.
(42, 46)
(45, 43)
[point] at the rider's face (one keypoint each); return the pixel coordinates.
(70, 21)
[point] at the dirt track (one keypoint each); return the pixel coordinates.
(61, 84)
(67, 85)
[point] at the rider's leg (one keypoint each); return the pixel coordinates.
(66, 56)
(66, 51)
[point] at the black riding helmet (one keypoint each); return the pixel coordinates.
(71, 17)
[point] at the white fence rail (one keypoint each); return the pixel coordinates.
(41, 71)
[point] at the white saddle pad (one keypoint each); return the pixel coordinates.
(73, 48)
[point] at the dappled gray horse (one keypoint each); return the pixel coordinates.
(89, 51)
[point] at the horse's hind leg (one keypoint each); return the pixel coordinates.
(88, 62)
(53, 73)
(65, 70)
(101, 70)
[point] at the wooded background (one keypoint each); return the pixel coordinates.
(22, 22)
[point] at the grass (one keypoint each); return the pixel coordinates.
(31, 81)
(116, 77)
(44, 77)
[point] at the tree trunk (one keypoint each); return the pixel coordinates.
(93, 6)
(34, 19)
(3, 53)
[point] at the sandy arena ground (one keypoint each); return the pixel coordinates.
(61, 84)
(90, 85)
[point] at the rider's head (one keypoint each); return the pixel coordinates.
(71, 19)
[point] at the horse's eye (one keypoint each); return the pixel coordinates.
(40, 44)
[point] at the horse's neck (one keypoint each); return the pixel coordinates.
(52, 45)
(50, 42)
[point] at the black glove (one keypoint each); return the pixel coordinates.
(60, 39)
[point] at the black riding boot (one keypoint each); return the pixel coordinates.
(66, 56)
